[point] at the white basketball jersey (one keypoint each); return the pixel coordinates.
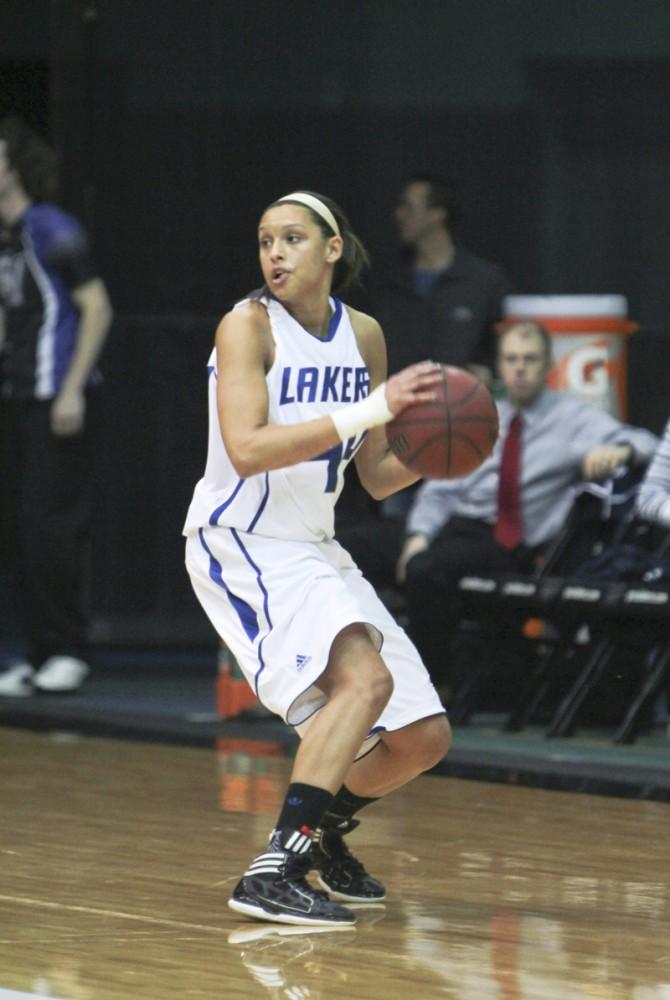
(309, 378)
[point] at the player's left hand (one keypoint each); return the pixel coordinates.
(602, 460)
(68, 412)
(415, 384)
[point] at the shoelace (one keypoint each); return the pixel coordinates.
(352, 862)
(296, 867)
(339, 854)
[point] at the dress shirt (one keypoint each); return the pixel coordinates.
(558, 432)
(653, 503)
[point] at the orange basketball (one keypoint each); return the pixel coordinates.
(451, 436)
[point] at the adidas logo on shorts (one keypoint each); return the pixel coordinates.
(301, 661)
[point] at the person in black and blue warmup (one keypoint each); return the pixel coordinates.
(54, 318)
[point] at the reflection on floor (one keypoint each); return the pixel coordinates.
(119, 857)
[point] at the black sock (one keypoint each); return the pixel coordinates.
(304, 805)
(344, 805)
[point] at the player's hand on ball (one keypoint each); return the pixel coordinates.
(449, 433)
(415, 384)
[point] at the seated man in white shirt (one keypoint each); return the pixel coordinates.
(451, 527)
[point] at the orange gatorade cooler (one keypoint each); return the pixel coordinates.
(590, 340)
(233, 694)
(234, 697)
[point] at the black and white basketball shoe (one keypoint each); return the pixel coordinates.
(339, 872)
(274, 886)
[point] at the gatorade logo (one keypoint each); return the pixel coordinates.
(590, 371)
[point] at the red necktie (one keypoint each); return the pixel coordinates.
(509, 529)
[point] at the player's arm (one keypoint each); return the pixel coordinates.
(244, 354)
(378, 469)
(95, 317)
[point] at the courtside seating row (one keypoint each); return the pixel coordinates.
(602, 591)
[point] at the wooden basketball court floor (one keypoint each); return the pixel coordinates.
(117, 859)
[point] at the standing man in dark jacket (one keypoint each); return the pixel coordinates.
(441, 302)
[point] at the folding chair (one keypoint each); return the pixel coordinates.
(496, 606)
(630, 615)
(655, 680)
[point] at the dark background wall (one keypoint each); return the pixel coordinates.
(178, 122)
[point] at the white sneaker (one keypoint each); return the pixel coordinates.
(61, 673)
(17, 681)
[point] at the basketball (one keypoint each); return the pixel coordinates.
(451, 436)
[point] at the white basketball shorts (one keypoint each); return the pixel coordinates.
(279, 604)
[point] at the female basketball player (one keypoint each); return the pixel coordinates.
(297, 389)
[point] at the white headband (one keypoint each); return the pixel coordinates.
(316, 205)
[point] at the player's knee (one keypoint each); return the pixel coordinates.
(376, 685)
(443, 739)
(432, 743)
(369, 686)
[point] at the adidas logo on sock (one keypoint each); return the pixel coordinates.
(300, 841)
(270, 862)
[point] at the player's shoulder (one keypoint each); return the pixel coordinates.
(56, 235)
(250, 314)
(364, 326)
(245, 329)
(50, 219)
(370, 341)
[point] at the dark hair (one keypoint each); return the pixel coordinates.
(442, 193)
(526, 326)
(32, 158)
(354, 259)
